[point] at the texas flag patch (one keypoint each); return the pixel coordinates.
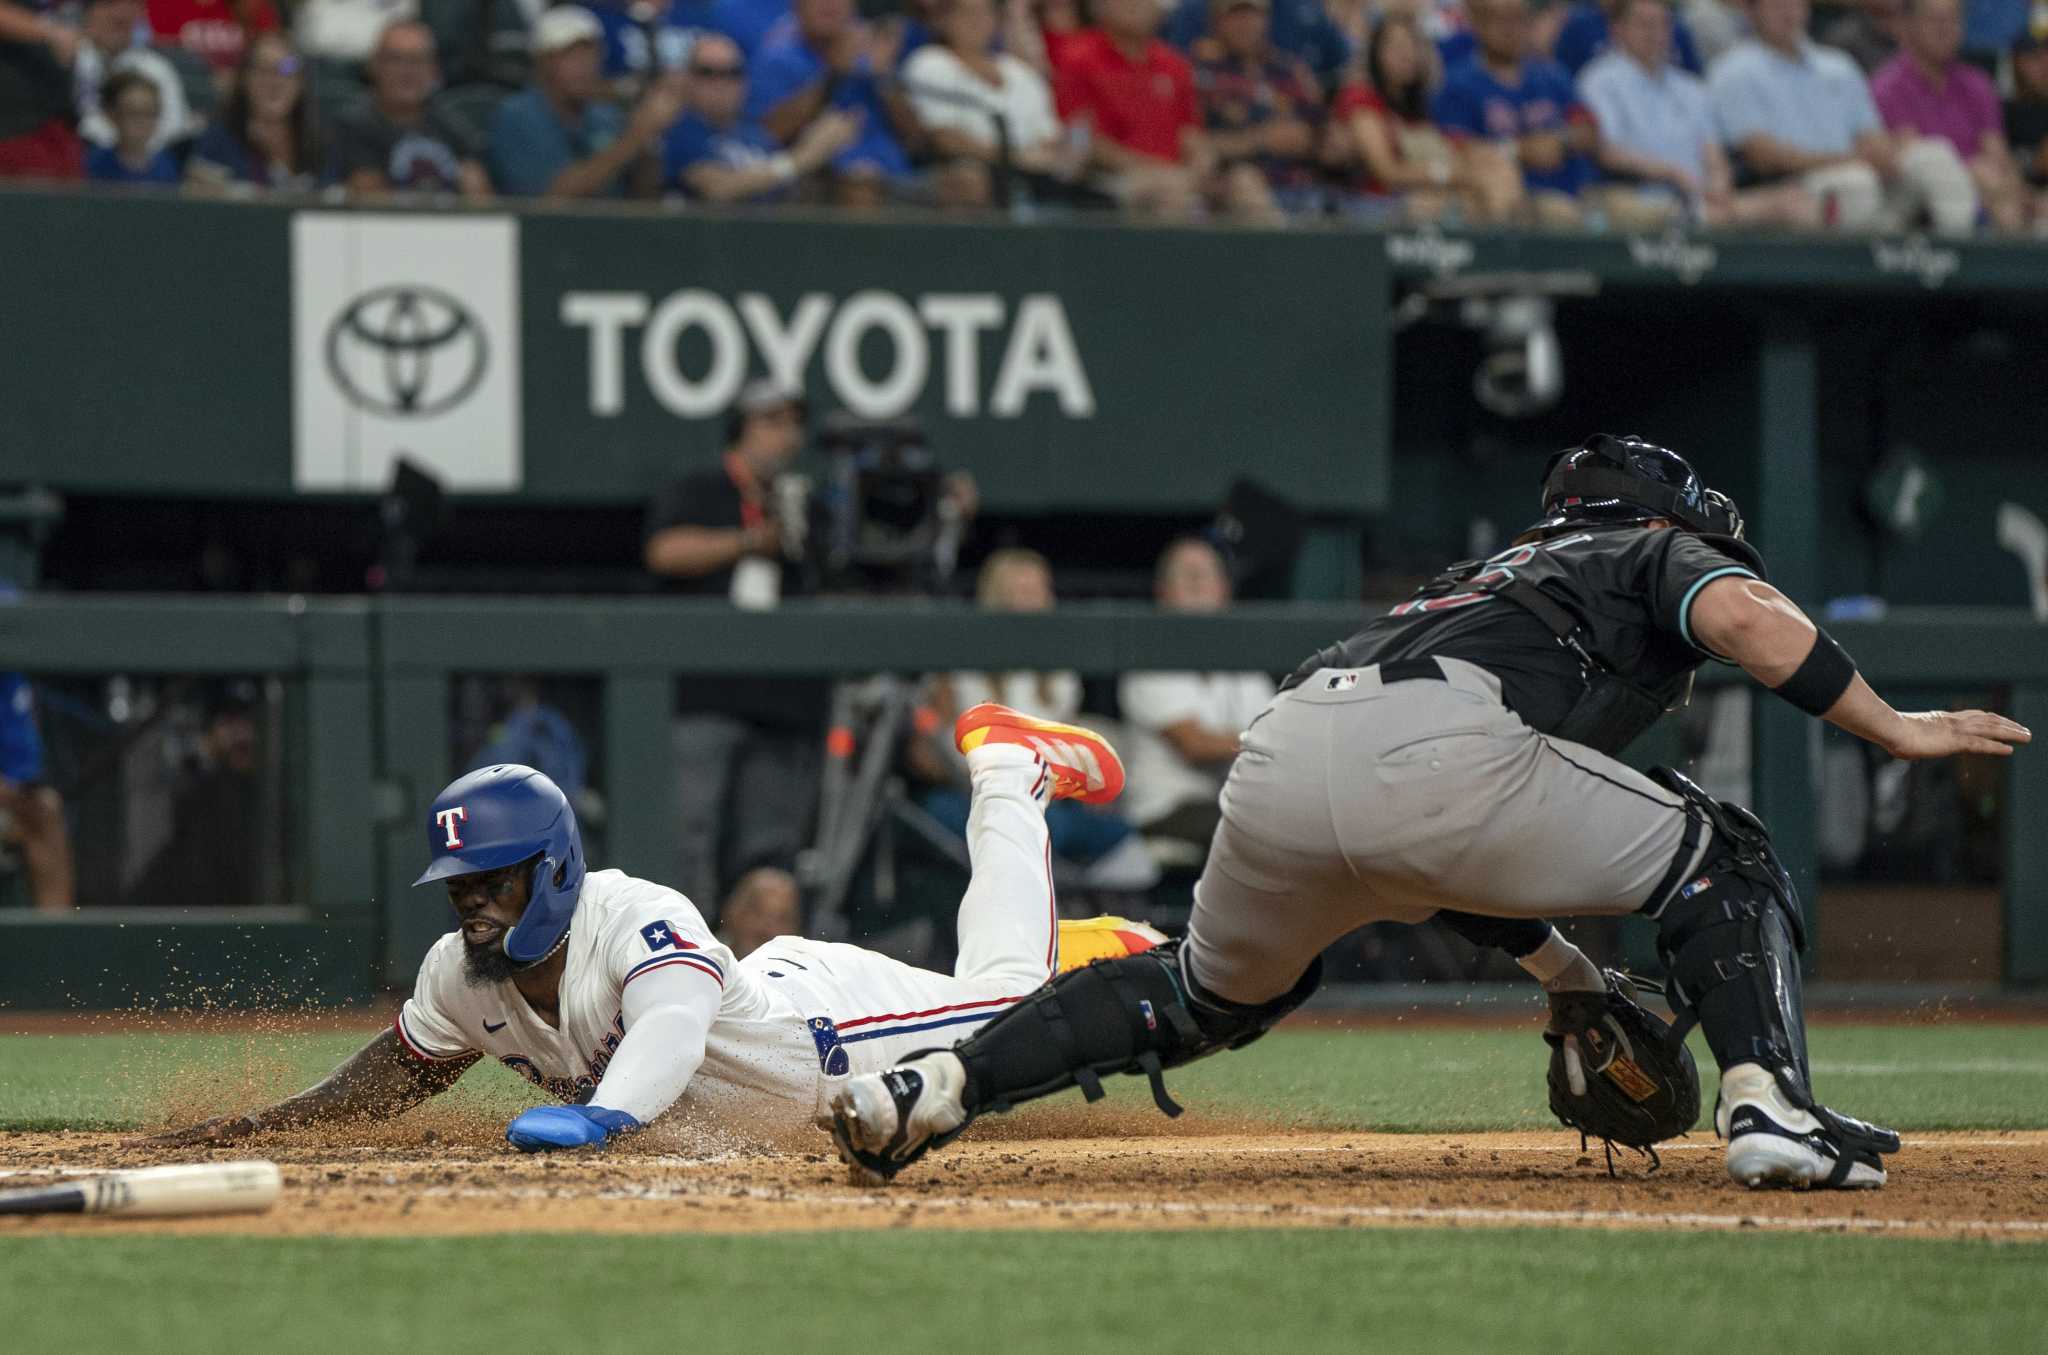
(662, 936)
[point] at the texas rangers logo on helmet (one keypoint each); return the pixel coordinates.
(448, 818)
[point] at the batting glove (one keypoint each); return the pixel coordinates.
(546, 1127)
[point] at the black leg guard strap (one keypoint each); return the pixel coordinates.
(1062, 1032)
(1133, 1014)
(1518, 936)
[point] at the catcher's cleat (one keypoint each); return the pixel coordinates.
(1772, 1142)
(885, 1121)
(1083, 765)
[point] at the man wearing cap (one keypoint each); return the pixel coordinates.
(746, 748)
(1263, 109)
(1927, 90)
(557, 138)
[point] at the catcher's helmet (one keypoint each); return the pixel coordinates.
(499, 816)
(1608, 481)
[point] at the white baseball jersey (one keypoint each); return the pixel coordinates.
(754, 1039)
(627, 933)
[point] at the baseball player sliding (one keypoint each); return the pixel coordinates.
(1458, 754)
(612, 994)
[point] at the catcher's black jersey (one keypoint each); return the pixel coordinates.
(1632, 588)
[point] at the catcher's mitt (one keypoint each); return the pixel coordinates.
(1615, 1072)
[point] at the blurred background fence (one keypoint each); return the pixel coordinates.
(369, 694)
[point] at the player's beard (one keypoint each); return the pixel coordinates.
(488, 963)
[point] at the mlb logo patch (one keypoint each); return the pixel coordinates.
(1340, 682)
(661, 935)
(1704, 882)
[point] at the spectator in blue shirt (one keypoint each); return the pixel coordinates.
(134, 107)
(1586, 34)
(828, 60)
(1299, 27)
(1503, 95)
(1798, 111)
(31, 813)
(747, 22)
(1992, 26)
(637, 46)
(557, 138)
(717, 154)
(1659, 140)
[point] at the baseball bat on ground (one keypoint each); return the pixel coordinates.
(190, 1188)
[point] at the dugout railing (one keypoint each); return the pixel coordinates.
(369, 728)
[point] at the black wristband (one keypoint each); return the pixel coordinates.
(1822, 678)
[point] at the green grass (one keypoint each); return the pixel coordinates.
(1020, 1293)
(1957, 1076)
(1289, 1292)
(1976, 1076)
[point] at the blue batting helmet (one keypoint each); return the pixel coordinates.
(499, 816)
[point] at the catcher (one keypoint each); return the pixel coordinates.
(611, 994)
(1458, 753)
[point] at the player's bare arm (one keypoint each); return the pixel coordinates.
(1758, 627)
(379, 1080)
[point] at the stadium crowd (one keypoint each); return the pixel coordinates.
(1890, 114)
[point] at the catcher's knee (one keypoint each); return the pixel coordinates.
(1133, 1014)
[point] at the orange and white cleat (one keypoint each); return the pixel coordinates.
(1083, 765)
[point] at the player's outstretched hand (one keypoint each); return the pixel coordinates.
(545, 1127)
(219, 1129)
(1942, 733)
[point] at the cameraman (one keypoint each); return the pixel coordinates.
(746, 747)
(715, 531)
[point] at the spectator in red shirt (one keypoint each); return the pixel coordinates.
(217, 30)
(36, 113)
(1136, 96)
(1381, 130)
(1263, 110)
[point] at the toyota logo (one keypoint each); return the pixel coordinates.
(406, 351)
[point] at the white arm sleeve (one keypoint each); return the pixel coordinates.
(668, 1013)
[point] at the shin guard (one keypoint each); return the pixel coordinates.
(1730, 941)
(1133, 1014)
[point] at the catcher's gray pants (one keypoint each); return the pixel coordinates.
(1356, 802)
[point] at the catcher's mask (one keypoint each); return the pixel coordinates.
(1613, 481)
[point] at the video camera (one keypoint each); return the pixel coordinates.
(882, 522)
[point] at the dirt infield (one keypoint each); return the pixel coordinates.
(1062, 1169)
